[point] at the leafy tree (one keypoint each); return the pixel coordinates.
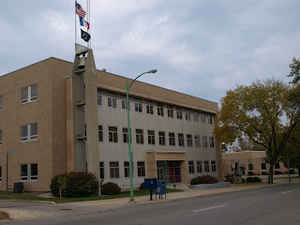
(295, 70)
(263, 114)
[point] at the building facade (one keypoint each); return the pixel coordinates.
(57, 117)
(249, 163)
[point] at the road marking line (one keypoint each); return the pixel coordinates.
(209, 208)
(286, 192)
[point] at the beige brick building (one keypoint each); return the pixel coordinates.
(249, 163)
(57, 117)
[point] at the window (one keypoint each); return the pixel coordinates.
(205, 142)
(160, 110)
(188, 116)
(171, 138)
(112, 101)
(125, 134)
(29, 172)
(210, 119)
(101, 167)
(277, 165)
(189, 140)
(29, 132)
(196, 117)
(126, 169)
(211, 142)
(180, 139)
(203, 117)
(123, 104)
(206, 166)
(250, 166)
(1, 137)
(113, 134)
(0, 174)
(99, 97)
(151, 137)
(263, 165)
(191, 167)
(141, 169)
(29, 93)
(170, 112)
(199, 166)
(179, 115)
(213, 166)
(100, 133)
(138, 107)
(114, 169)
(162, 137)
(149, 108)
(139, 136)
(197, 141)
(1, 102)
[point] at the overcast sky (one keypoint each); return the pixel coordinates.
(200, 47)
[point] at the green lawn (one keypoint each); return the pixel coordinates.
(34, 197)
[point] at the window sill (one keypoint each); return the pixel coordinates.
(29, 101)
(28, 181)
(29, 140)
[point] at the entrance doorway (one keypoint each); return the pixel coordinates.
(169, 171)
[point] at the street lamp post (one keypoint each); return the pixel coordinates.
(130, 154)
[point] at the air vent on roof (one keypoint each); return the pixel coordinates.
(103, 70)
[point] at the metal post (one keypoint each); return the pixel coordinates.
(130, 155)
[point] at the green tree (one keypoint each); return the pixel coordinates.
(262, 113)
(295, 70)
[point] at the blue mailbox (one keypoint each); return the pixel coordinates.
(161, 189)
(150, 184)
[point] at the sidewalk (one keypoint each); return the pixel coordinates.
(89, 207)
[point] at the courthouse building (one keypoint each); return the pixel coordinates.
(57, 117)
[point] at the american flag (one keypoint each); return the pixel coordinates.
(79, 10)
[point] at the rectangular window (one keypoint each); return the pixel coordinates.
(29, 93)
(113, 134)
(206, 166)
(210, 119)
(191, 167)
(170, 112)
(99, 97)
(263, 165)
(1, 137)
(211, 142)
(213, 166)
(196, 117)
(199, 166)
(114, 169)
(171, 139)
(100, 133)
(112, 101)
(160, 110)
(179, 115)
(188, 116)
(101, 168)
(197, 141)
(203, 117)
(138, 107)
(277, 165)
(1, 102)
(205, 142)
(29, 132)
(139, 136)
(189, 140)
(125, 134)
(141, 169)
(29, 172)
(149, 108)
(126, 169)
(151, 137)
(162, 137)
(123, 104)
(180, 139)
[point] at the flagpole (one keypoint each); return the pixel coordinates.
(90, 43)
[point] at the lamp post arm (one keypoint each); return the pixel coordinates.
(131, 83)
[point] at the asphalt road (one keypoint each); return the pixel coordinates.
(268, 206)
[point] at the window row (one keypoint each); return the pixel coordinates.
(161, 110)
(164, 138)
(200, 164)
(114, 169)
(28, 132)
(27, 94)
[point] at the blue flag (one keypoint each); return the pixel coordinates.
(81, 21)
